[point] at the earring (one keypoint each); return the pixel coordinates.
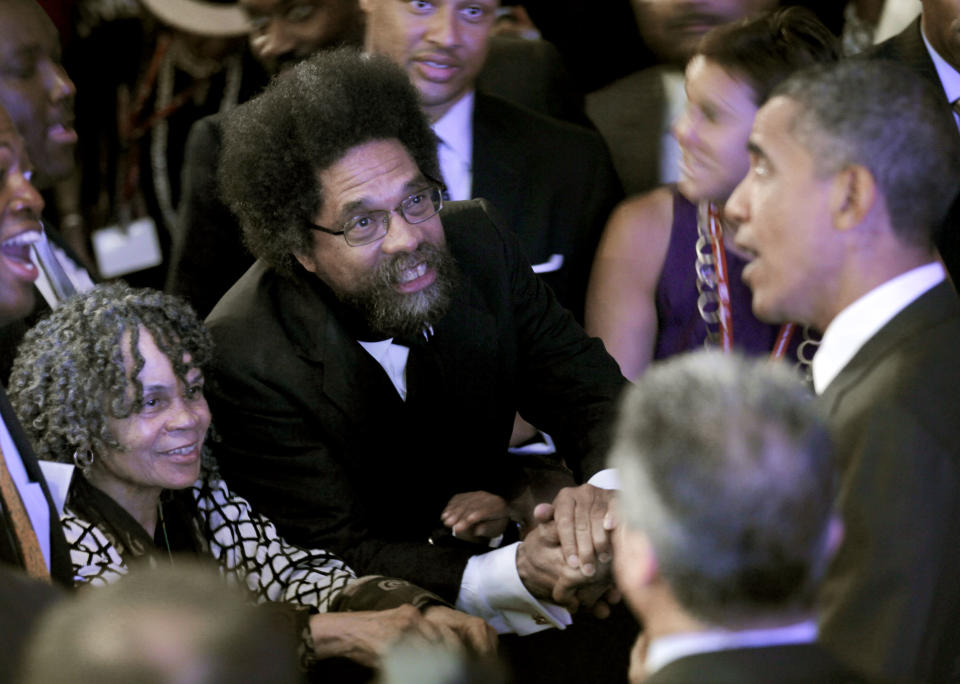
(83, 460)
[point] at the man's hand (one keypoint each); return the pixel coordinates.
(546, 574)
(476, 516)
(472, 632)
(366, 635)
(584, 522)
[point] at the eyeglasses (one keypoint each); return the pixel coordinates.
(363, 229)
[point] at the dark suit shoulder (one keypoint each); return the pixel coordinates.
(907, 48)
(517, 123)
(794, 663)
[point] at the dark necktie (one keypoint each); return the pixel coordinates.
(19, 521)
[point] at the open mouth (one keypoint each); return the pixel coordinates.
(16, 251)
(412, 273)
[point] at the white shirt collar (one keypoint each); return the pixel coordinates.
(860, 321)
(664, 650)
(949, 77)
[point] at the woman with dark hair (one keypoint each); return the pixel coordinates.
(112, 381)
(664, 280)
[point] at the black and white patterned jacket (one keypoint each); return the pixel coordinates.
(247, 546)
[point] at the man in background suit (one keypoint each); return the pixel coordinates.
(726, 522)
(30, 534)
(551, 183)
(852, 168)
(930, 46)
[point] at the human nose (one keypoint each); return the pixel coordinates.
(58, 84)
(737, 207)
(186, 414)
(683, 129)
(26, 197)
(401, 236)
(443, 28)
(272, 40)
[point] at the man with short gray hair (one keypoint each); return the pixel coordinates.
(852, 170)
(726, 522)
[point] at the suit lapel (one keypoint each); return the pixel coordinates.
(344, 369)
(911, 50)
(497, 162)
(932, 307)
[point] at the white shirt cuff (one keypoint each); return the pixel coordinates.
(608, 478)
(491, 588)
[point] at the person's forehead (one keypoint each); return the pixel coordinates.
(24, 24)
(381, 165)
(772, 128)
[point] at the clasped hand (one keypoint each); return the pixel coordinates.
(567, 557)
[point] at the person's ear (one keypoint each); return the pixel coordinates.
(636, 561)
(853, 195)
(307, 261)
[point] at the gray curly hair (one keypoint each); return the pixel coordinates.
(69, 373)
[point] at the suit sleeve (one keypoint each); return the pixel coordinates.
(208, 252)
(567, 384)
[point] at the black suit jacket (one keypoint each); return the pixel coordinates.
(907, 48)
(61, 568)
(552, 183)
(316, 436)
(891, 601)
(791, 664)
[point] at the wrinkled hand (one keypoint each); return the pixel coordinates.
(584, 522)
(472, 632)
(363, 636)
(476, 516)
(542, 568)
(366, 635)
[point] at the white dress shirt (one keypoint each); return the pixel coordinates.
(664, 650)
(455, 150)
(860, 321)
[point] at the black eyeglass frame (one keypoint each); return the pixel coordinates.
(436, 190)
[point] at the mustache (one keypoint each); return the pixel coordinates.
(389, 271)
(688, 19)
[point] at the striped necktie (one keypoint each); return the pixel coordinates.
(19, 520)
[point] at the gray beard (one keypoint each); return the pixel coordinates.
(396, 314)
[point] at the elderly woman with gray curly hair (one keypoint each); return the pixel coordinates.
(112, 381)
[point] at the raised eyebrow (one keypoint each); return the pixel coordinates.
(350, 208)
(417, 183)
(157, 387)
